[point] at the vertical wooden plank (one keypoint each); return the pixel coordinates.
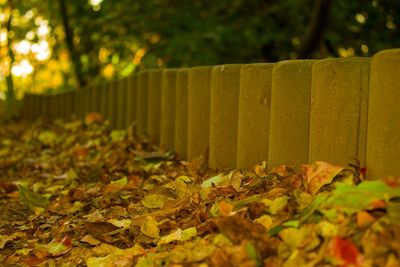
(112, 103)
(181, 113)
(103, 100)
(28, 106)
(225, 87)
(199, 96)
(88, 99)
(43, 106)
(254, 114)
(121, 103)
(68, 105)
(290, 113)
(383, 138)
(338, 114)
(167, 126)
(36, 107)
(154, 105)
(141, 102)
(131, 100)
(57, 100)
(95, 106)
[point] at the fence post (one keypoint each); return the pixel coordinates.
(72, 105)
(57, 99)
(199, 95)
(290, 113)
(113, 95)
(82, 104)
(66, 108)
(62, 105)
(103, 100)
(131, 100)
(225, 87)
(141, 102)
(95, 107)
(27, 106)
(43, 106)
(167, 126)
(107, 99)
(121, 102)
(2, 111)
(88, 100)
(154, 105)
(181, 113)
(254, 113)
(338, 115)
(383, 140)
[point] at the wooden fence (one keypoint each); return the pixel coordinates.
(291, 112)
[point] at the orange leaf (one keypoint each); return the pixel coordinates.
(377, 204)
(80, 152)
(319, 174)
(225, 208)
(364, 219)
(93, 117)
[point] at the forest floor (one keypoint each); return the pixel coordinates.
(80, 194)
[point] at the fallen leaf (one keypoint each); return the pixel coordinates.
(364, 219)
(319, 174)
(93, 117)
(150, 228)
(58, 248)
(154, 201)
(32, 199)
(345, 251)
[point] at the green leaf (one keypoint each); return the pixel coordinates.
(293, 224)
(189, 233)
(314, 205)
(32, 199)
(275, 230)
(47, 138)
(122, 181)
(252, 252)
(354, 198)
(118, 135)
(278, 204)
(243, 202)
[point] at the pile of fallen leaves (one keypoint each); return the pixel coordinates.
(80, 194)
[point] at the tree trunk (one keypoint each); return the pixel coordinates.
(10, 106)
(315, 28)
(69, 39)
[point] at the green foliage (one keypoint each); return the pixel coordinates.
(115, 38)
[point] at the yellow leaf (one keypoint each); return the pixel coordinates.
(154, 201)
(150, 228)
(265, 220)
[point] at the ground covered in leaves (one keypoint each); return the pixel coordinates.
(79, 194)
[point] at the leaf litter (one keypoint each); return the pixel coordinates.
(79, 194)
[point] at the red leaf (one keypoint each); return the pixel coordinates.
(363, 172)
(345, 250)
(67, 241)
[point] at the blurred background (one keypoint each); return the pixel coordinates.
(60, 45)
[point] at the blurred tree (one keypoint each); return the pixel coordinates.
(10, 104)
(104, 39)
(69, 39)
